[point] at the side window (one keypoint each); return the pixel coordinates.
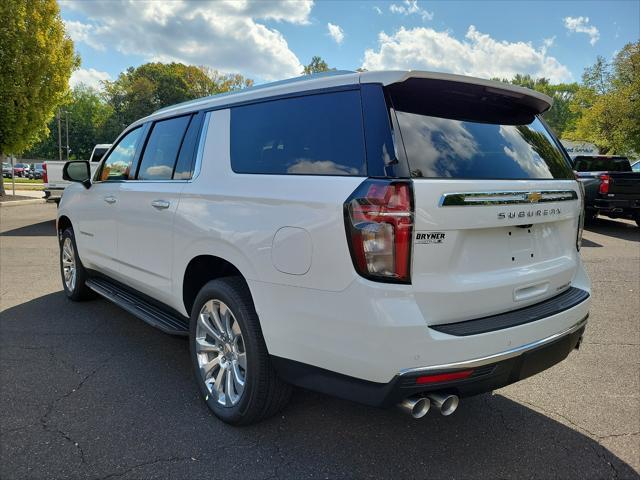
(186, 157)
(161, 152)
(310, 135)
(118, 163)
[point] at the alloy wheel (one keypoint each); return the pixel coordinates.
(221, 353)
(69, 269)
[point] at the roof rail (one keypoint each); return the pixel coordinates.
(302, 78)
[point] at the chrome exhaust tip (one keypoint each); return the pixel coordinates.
(444, 402)
(417, 407)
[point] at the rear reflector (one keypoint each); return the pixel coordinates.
(443, 377)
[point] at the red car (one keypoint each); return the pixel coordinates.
(21, 170)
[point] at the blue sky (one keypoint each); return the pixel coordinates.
(271, 40)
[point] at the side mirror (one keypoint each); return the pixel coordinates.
(79, 172)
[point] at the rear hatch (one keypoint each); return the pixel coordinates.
(496, 201)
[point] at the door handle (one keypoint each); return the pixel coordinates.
(160, 204)
(110, 200)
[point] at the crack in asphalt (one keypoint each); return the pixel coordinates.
(44, 420)
(601, 452)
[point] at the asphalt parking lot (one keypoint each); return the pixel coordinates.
(89, 391)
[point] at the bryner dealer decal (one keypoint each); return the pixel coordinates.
(430, 237)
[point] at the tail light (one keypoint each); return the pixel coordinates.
(604, 183)
(45, 179)
(379, 224)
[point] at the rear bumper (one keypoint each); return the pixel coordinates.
(53, 194)
(617, 207)
(489, 373)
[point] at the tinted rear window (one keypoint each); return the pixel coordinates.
(602, 164)
(311, 135)
(451, 130)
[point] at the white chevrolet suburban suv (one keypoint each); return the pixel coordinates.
(394, 238)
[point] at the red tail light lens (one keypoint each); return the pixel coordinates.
(379, 223)
(45, 179)
(604, 183)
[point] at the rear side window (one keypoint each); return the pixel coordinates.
(451, 135)
(312, 135)
(160, 154)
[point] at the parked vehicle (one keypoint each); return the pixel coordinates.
(21, 170)
(6, 170)
(611, 187)
(393, 238)
(36, 172)
(54, 184)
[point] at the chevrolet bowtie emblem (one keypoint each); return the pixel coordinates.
(534, 197)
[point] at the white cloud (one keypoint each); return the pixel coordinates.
(547, 43)
(89, 77)
(335, 32)
(377, 9)
(581, 25)
(410, 7)
(226, 35)
(477, 54)
(82, 33)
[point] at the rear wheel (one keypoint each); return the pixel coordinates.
(229, 355)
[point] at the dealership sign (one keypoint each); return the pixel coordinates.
(579, 148)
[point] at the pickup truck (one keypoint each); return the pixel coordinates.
(54, 184)
(611, 187)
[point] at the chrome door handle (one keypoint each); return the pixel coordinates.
(110, 200)
(160, 204)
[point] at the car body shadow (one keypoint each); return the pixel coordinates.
(42, 229)
(124, 397)
(624, 230)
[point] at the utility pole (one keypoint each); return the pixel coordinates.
(66, 119)
(59, 138)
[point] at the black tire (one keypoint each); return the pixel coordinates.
(80, 291)
(264, 394)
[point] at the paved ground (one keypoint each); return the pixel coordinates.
(88, 391)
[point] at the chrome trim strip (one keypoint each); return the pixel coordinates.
(465, 199)
(496, 357)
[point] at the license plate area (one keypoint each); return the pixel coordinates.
(521, 241)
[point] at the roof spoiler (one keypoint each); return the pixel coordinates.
(534, 101)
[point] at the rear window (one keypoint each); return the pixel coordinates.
(602, 164)
(312, 135)
(451, 135)
(98, 153)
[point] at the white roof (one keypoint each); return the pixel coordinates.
(337, 79)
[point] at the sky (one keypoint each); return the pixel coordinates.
(272, 40)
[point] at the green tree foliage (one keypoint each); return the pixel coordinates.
(608, 103)
(316, 65)
(36, 61)
(142, 90)
(87, 113)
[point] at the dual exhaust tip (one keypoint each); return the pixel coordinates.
(418, 407)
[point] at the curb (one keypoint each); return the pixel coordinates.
(17, 203)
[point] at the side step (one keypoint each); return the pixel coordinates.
(142, 309)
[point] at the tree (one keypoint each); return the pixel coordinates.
(317, 65)
(560, 117)
(608, 103)
(86, 113)
(140, 91)
(37, 60)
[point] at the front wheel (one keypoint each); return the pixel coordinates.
(72, 271)
(230, 359)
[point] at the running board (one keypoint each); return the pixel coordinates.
(142, 309)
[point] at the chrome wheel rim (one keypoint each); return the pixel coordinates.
(221, 353)
(69, 270)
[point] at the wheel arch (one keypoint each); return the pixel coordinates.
(62, 224)
(202, 269)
